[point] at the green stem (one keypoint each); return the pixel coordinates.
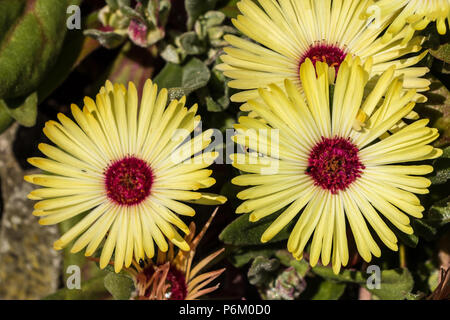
(402, 256)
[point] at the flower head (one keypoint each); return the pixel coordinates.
(173, 277)
(291, 31)
(128, 168)
(310, 157)
(415, 15)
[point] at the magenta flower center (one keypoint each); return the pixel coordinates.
(334, 164)
(330, 54)
(128, 181)
(138, 32)
(177, 282)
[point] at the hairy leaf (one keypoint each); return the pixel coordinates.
(90, 290)
(440, 212)
(23, 111)
(441, 166)
(262, 270)
(31, 36)
(119, 285)
(195, 8)
(442, 52)
(395, 284)
(185, 79)
(5, 118)
(329, 290)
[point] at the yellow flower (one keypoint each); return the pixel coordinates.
(415, 14)
(127, 167)
(305, 157)
(287, 32)
(173, 277)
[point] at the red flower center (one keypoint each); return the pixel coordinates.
(177, 281)
(334, 164)
(330, 54)
(128, 181)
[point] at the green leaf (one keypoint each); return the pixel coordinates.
(112, 4)
(242, 255)
(108, 39)
(262, 271)
(23, 110)
(213, 19)
(230, 9)
(5, 119)
(433, 280)
(216, 34)
(440, 212)
(351, 276)
(415, 296)
(410, 240)
(218, 94)
(120, 285)
(152, 9)
(124, 3)
(442, 52)
(437, 109)
(183, 80)
(195, 75)
(90, 290)
(213, 106)
(130, 13)
(395, 284)
(191, 44)
(195, 8)
(329, 290)
(31, 36)
(301, 266)
(242, 232)
(285, 257)
(288, 260)
(170, 54)
(116, 4)
(169, 76)
(424, 228)
(441, 166)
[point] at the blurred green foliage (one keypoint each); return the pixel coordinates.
(31, 38)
